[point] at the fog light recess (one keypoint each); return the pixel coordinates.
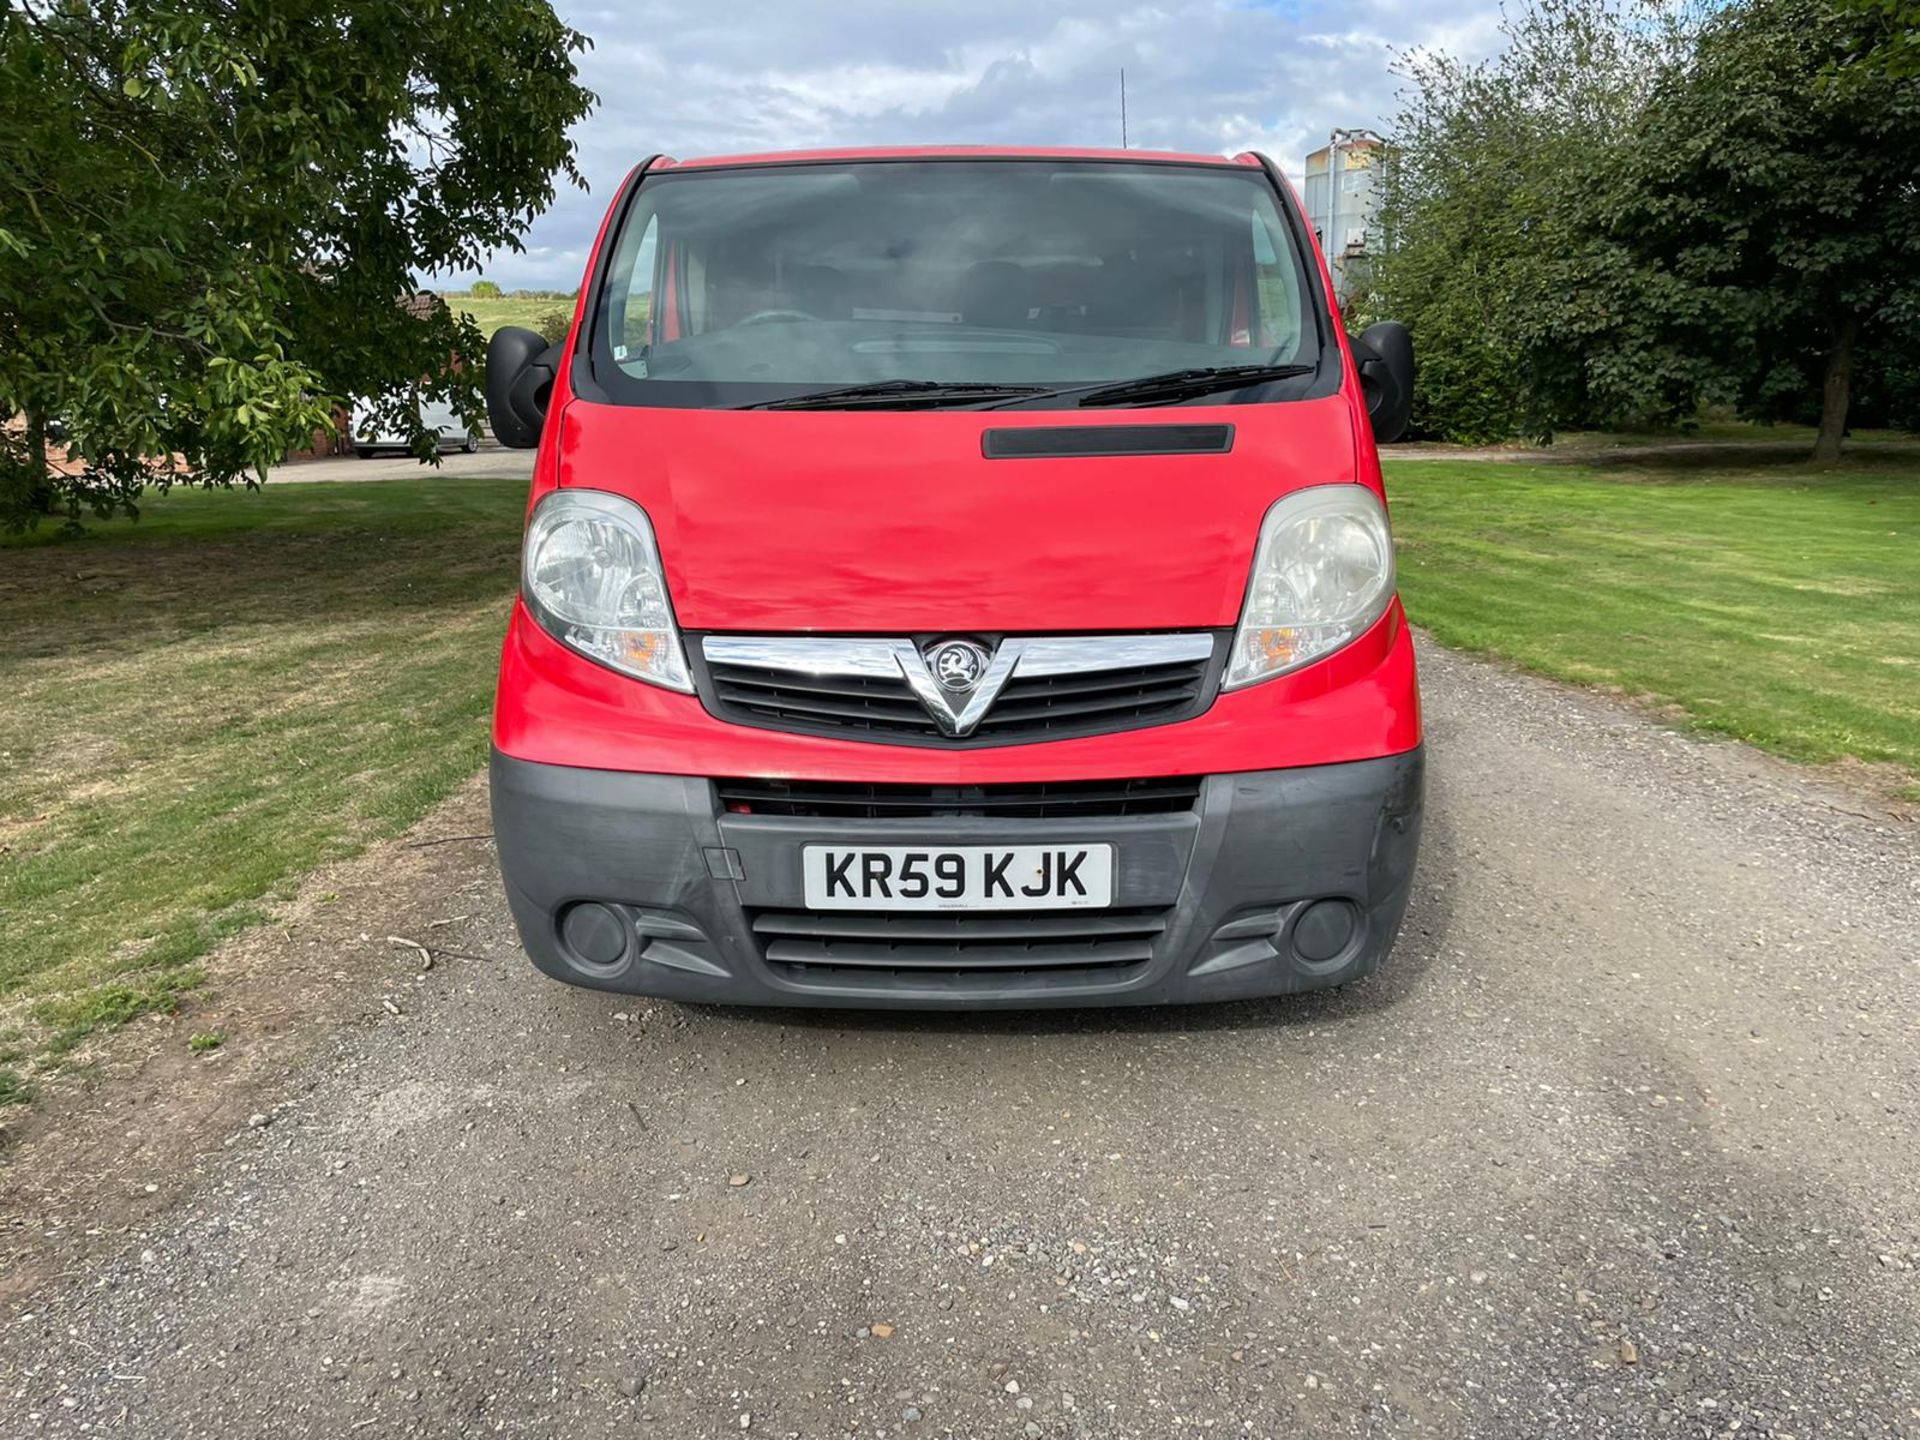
(1324, 930)
(597, 937)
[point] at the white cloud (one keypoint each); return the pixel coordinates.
(1203, 75)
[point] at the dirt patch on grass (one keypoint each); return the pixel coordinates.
(120, 1132)
(1887, 792)
(1871, 791)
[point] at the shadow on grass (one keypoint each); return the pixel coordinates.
(1692, 460)
(199, 562)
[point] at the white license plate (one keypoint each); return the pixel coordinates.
(958, 877)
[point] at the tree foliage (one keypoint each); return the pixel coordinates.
(1885, 36)
(553, 324)
(211, 211)
(1488, 256)
(1776, 179)
(1632, 213)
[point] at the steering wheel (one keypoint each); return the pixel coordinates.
(776, 317)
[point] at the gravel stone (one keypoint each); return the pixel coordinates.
(1605, 911)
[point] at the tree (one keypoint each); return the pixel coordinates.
(211, 212)
(485, 290)
(554, 324)
(1773, 176)
(1488, 255)
(1886, 36)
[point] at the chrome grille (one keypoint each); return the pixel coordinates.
(1040, 688)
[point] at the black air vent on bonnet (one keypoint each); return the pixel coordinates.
(1058, 442)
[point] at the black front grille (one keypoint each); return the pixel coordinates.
(1058, 800)
(884, 708)
(827, 946)
(1107, 700)
(785, 700)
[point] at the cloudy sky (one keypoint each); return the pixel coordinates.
(705, 77)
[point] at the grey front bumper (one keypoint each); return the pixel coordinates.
(1277, 881)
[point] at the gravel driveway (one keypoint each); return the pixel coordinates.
(1622, 1143)
(491, 459)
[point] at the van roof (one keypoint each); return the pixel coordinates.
(958, 152)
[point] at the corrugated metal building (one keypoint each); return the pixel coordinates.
(1342, 199)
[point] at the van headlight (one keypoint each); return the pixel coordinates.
(590, 573)
(1322, 574)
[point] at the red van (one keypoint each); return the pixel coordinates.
(956, 577)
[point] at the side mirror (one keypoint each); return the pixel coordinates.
(521, 367)
(1384, 355)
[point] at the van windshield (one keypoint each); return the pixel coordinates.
(762, 284)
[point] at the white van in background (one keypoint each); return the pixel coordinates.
(369, 437)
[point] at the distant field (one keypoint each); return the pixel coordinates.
(1779, 604)
(496, 312)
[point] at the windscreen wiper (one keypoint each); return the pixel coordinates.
(898, 395)
(1170, 385)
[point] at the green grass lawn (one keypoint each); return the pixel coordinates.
(1779, 605)
(201, 706)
